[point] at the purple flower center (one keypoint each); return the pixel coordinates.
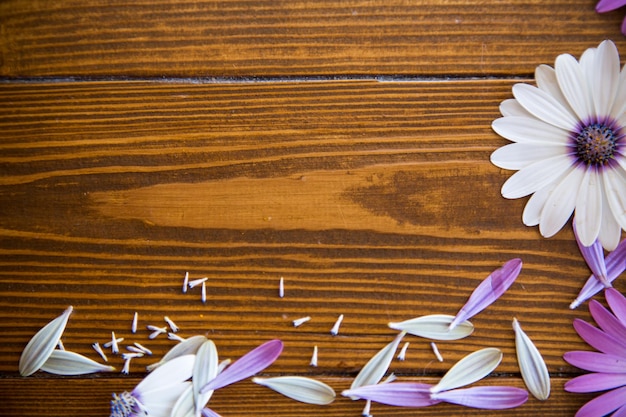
(596, 144)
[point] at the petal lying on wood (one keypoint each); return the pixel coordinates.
(596, 361)
(43, 343)
(488, 398)
(299, 388)
(187, 347)
(595, 382)
(64, 362)
(434, 326)
(532, 366)
(470, 369)
(377, 366)
(594, 256)
(399, 394)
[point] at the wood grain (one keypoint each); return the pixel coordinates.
(294, 38)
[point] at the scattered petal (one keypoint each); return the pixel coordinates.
(471, 368)
(399, 394)
(98, 349)
(205, 370)
(281, 287)
(299, 388)
(42, 344)
(532, 366)
(594, 256)
(488, 398)
(133, 326)
(171, 323)
(187, 347)
(64, 362)
(377, 366)
(435, 326)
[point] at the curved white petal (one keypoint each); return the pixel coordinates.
(469, 369)
(510, 107)
(299, 388)
(574, 86)
(171, 373)
(64, 362)
(610, 232)
(529, 130)
(545, 77)
(561, 203)
(588, 216)
(161, 402)
(544, 106)
(535, 176)
(435, 326)
(188, 347)
(531, 364)
(615, 188)
(532, 211)
(519, 155)
(619, 105)
(605, 77)
(377, 366)
(204, 370)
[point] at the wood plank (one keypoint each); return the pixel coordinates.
(295, 38)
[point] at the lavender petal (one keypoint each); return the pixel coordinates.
(598, 339)
(604, 404)
(488, 398)
(596, 361)
(489, 290)
(399, 394)
(617, 302)
(607, 321)
(594, 256)
(249, 364)
(595, 382)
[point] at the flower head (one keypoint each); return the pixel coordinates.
(604, 6)
(569, 146)
(608, 364)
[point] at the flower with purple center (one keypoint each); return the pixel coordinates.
(608, 364)
(604, 6)
(569, 146)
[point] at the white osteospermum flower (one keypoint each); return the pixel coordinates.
(569, 150)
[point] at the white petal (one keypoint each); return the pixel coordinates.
(306, 390)
(535, 176)
(205, 369)
(532, 211)
(160, 402)
(619, 105)
(171, 373)
(588, 216)
(529, 130)
(531, 364)
(544, 106)
(43, 343)
(610, 232)
(510, 107)
(561, 203)
(605, 78)
(574, 86)
(615, 189)
(188, 347)
(470, 369)
(64, 362)
(377, 366)
(516, 156)
(184, 405)
(435, 326)
(545, 77)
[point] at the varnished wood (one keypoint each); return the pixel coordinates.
(375, 200)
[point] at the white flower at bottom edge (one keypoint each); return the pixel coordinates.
(570, 149)
(157, 393)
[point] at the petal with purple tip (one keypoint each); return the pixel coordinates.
(488, 398)
(399, 394)
(469, 369)
(596, 361)
(489, 290)
(604, 404)
(594, 256)
(595, 382)
(249, 364)
(598, 339)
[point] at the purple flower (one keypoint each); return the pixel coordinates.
(608, 365)
(604, 6)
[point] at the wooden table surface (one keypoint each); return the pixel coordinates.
(342, 145)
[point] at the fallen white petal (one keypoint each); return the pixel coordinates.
(65, 362)
(377, 366)
(435, 327)
(204, 370)
(471, 368)
(43, 343)
(306, 390)
(531, 364)
(187, 347)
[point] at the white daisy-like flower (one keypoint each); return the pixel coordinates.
(569, 146)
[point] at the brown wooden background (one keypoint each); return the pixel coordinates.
(342, 145)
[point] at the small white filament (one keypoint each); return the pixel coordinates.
(156, 331)
(114, 341)
(436, 351)
(173, 336)
(301, 321)
(97, 348)
(186, 282)
(281, 287)
(126, 368)
(126, 356)
(143, 348)
(314, 356)
(203, 292)
(133, 326)
(134, 349)
(170, 323)
(197, 282)
(366, 409)
(335, 330)
(402, 354)
(60, 345)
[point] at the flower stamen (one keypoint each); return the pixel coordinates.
(596, 144)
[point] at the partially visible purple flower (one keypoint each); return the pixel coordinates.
(608, 366)
(604, 6)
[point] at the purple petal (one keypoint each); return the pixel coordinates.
(249, 364)
(594, 256)
(400, 394)
(603, 404)
(596, 361)
(597, 339)
(595, 382)
(608, 5)
(489, 398)
(621, 412)
(207, 412)
(607, 321)
(617, 302)
(489, 290)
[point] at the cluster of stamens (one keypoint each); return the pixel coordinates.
(596, 144)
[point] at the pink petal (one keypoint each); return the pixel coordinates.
(249, 364)
(598, 339)
(594, 256)
(617, 302)
(489, 290)
(607, 321)
(596, 361)
(595, 382)
(621, 412)
(207, 412)
(603, 404)
(608, 5)
(399, 394)
(489, 398)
